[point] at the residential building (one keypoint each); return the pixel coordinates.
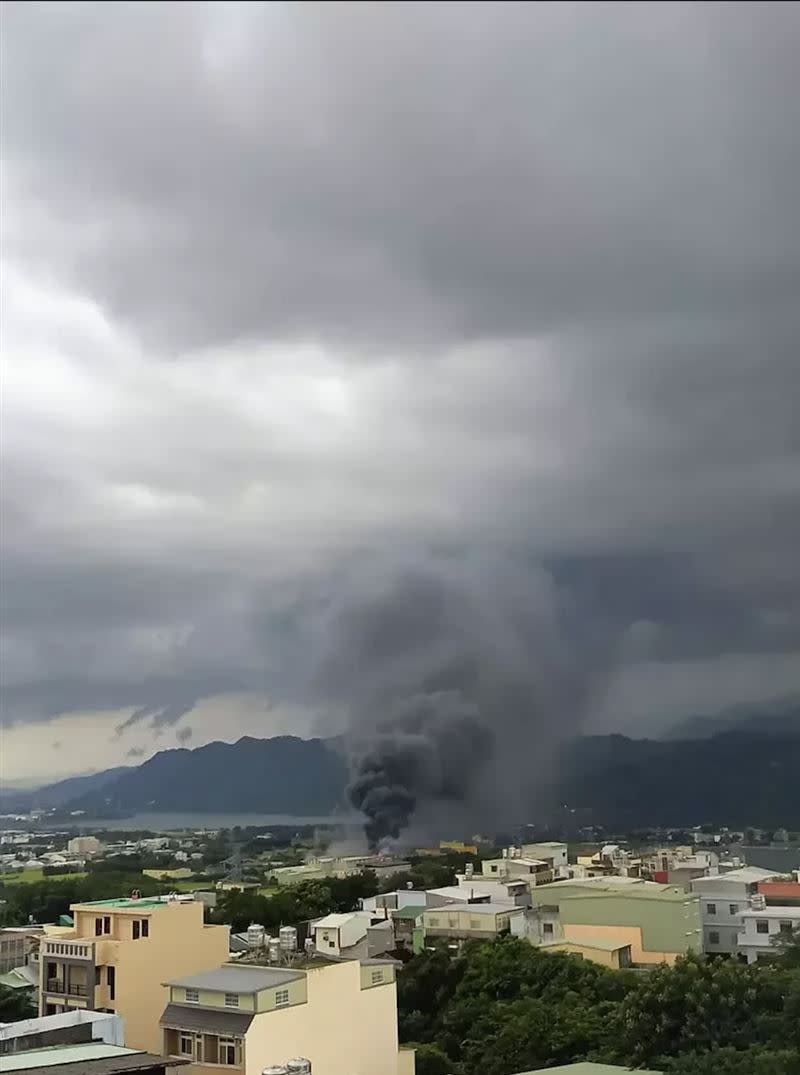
(69, 1028)
(403, 897)
(84, 845)
(516, 892)
(468, 921)
(762, 928)
(458, 847)
(659, 922)
(780, 891)
(553, 852)
(119, 953)
(606, 953)
(722, 897)
(353, 934)
(516, 867)
(15, 944)
(94, 1058)
(341, 1016)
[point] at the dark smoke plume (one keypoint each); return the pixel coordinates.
(430, 747)
(459, 676)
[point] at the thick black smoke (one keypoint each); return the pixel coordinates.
(460, 675)
(430, 747)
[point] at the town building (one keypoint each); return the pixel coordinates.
(722, 896)
(15, 946)
(118, 955)
(460, 922)
(84, 845)
(659, 922)
(763, 927)
(353, 934)
(340, 1016)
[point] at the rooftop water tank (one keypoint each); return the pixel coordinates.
(274, 949)
(298, 1066)
(288, 938)
(256, 935)
(275, 1069)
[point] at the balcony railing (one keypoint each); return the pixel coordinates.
(72, 989)
(69, 949)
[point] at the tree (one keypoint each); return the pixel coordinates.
(696, 1006)
(16, 1004)
(788, 946)
(431, 1060)
(727, 1061)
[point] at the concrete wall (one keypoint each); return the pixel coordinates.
(667, 926)
(344, 1029)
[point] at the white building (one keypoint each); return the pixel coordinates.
(762, 927)
(354, 934)
(83, 845)
(722, 897)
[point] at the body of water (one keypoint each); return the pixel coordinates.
(170, 822)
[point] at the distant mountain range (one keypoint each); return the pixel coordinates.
(783, 721)
(741, 777)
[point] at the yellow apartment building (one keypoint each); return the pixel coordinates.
(119, 954)
(340, 1016)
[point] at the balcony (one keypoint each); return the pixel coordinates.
(68, 949)
(69, 989)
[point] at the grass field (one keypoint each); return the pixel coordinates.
(26, 877)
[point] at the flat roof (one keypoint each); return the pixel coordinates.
(743, 875)
(474, 908)
(771, 912)
(86, 1053)
(333, 921)
(631, 888)
(407, 911)
(602, 944)
(237, 978)
(123, 903)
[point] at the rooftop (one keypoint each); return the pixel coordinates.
(744, 875)
(238, 978)
(92, 1058)
(407, 912)
(629, 887)
(474, 908)
(333, 921)
(772, 912)
(123, 903)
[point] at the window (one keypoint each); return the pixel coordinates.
(98, 927)
(452, 922)
(733, 908)
(281, 998)
(227, 1051)
(111, 979)
(97, 975)
(377, 977)
(474, 923)
(711, 908)
(106, 924)
(786, 927)
(433, 921)
(713, 937)
(493, 869)
(192, 996)
(547, 929)
(231, 1000)
(145, 927)
(186, 1044)
(762, 926)
(136, 929)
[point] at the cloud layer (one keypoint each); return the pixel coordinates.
(293, 290)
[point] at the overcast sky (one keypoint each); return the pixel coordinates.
(294, 290)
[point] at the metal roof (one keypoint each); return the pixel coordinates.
(214, 1020)
(238, 978)
(588, 1068)
(93, 1056)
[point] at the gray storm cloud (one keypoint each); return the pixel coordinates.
(296, 294)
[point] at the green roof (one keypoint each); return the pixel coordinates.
(36, 1059)
(408, 912)
(120, 903)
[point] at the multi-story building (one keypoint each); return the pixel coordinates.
(659, 922)
(340, 1016)
(722, 897)
(118, 955)
(84, 845)
(762, 927)
(353, 934)
(15, 944)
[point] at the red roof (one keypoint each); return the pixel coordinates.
(780, 891)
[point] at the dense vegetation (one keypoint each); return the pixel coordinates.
(505, 1007)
